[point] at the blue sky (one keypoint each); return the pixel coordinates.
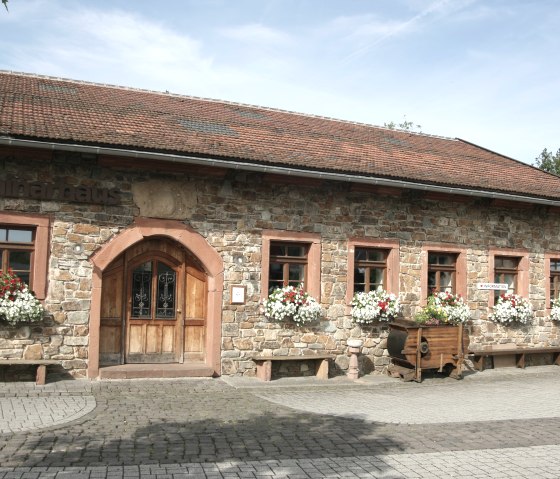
(486, 71)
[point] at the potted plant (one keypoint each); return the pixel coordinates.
(512, 308)
(443, 308)
(378, 305)
(436, 339)
(291, 304)
(17, 303)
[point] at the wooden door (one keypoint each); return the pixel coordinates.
(154, 306)
(154, 309)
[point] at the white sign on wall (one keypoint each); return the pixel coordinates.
(492, 286)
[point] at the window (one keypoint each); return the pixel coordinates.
(554, 280)
(442, 270)
(291, 258)
(372, 263)
(24, 246)
(511, 267)
(288, 265)
(506, 271)
(153, 291)
(443, 267)
(370, 269)
(16, 251)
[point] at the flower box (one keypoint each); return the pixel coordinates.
(414, 347)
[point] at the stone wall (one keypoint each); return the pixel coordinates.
(231, 214)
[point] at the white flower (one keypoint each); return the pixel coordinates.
(555, 310)
(290, 303)
(512, 308)
(20, 306)
(374, 306)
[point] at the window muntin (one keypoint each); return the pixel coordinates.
(442, 270)
(554, 280)
(287, 264)
(153, 291)
(370, 269)
(506, 270)
(17, 246)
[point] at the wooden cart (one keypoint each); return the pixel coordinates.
(414, 347)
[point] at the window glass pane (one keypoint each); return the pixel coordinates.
(20, 236)
(20, 260)
(446, 281)
(166, 280)
(275, 272)
(296, 272)
(360, 254)
(277, 250)
(359, 275)
(275, 276)
(142, 290)
(555, 265)
(359, 288)
(24, 277)
(298, 251)
(510, 280)
(442, 259)
(431, 281)
(3, 234)
(376, 255)
(503, 262)
(376, 278)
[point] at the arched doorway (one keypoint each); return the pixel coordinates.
(156, 304)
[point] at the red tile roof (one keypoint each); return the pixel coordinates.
(66, 111)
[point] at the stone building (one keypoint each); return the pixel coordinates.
(109, 195)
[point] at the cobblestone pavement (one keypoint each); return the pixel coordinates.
(503, 423)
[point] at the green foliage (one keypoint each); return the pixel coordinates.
(5, 2)
(548, 161)
(404, 125)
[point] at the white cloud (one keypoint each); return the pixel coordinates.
(255, 33)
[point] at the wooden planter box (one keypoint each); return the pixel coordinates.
(414, 347)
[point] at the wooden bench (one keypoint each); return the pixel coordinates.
(41, 364)
(264, 364)
(520, 354)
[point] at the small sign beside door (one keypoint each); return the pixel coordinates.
(492, 286)
(238, 294)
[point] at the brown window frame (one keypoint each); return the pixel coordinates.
(522, 282)
(438, 268)
(501, 271)
(370, 265)
(313, 274)
(286, 261)
(554, 281)
(7, 247)
(460, 278)
(41, 226)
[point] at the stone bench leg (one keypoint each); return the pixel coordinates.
(41, 374)
(520, 360)
(556, 359)
(322, 369)
(478, 362)
(264, 370)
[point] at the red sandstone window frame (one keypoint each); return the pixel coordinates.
(40, 225)
(313, 269)
(551, 277)
(522, 281)
(460, 270)
(392, 247)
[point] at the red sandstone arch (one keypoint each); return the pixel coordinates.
(144, 228)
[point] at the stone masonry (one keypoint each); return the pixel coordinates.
(231, 213)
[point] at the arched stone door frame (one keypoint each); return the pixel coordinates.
(144, 228)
